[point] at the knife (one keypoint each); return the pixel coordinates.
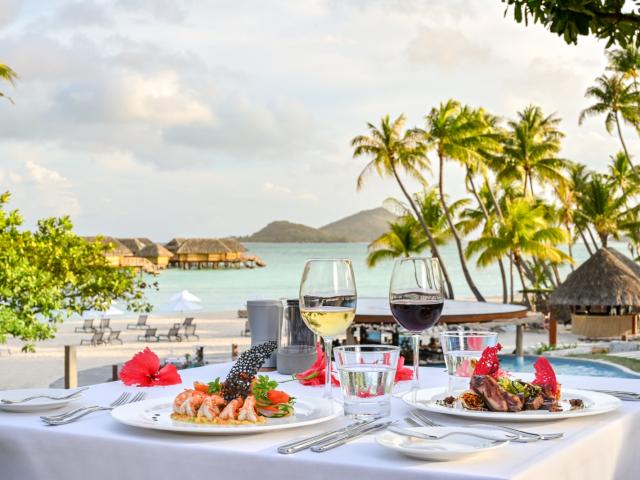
(341, 440)
(303, 444)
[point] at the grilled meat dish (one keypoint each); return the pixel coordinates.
(495, 397)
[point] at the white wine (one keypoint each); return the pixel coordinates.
(328, 321)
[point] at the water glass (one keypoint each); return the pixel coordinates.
(296, 343)
(462, 350)
(367, 374)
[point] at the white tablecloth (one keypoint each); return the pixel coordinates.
(96, 447)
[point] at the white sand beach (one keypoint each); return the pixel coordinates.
(217, 331)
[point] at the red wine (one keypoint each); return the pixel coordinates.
(416, 315)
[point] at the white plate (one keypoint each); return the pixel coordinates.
(156, 414)
(595, 403)
(450, 448)
(38, 404)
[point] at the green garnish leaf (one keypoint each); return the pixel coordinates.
(215, 386)
(260, 388)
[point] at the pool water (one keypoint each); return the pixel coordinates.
(566, 366)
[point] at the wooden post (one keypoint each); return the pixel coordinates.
(234, 351)
(553, 331)
(519, 340)
(114, 373)
(70, 367)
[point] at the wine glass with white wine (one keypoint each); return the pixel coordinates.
(328, 302)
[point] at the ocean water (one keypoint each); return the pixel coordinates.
(223, 290)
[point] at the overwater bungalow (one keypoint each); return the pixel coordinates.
(603, 295)
(156, 254)
(135, 244)
(210, 253)
(117, 251)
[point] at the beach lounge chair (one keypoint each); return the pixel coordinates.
(104, 324)
(247, 331)
(87, 326)
(96, 339)
(187, 322)
(149, 335)
(173, 333)
(190, 331)
(113, 336)
(140, 324)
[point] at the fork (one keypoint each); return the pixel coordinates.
(524, 436)
(65, 397)
(62, 416)
(125, 398)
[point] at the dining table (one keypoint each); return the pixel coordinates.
(97, 447)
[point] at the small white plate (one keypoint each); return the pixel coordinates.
(155, 414)
(595, 403)
(454, 447)
(38, 404)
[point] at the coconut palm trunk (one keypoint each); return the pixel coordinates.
(511, 295)
(519, 266)
(456, 235)
(586, 243)
(432, 243)
(624, 145)
(485, 213)
(593, 239)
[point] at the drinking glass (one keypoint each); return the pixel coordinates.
(462, 350)
(328, 302)
(416, 297)
(367, 374)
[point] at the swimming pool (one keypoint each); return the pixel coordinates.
(566, 366)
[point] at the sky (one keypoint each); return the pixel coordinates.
(165, 118)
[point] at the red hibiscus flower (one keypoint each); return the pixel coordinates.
(143, 370)
(315, 375)
(402, 372)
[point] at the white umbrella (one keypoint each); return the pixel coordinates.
(181, 305)
(186, 296)
(111, 311)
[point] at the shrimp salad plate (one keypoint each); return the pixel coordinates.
(244, 402)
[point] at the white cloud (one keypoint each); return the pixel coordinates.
(446, 47)
(269, 187)
(43, 176)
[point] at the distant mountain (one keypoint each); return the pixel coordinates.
(364, 226)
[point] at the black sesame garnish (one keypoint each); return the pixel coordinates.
(238, 382)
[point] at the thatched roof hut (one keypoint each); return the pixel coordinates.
(603, 294)
(608, 278)
(174, 244)
(233, 244)
(118, 248)
(154, 251)
(135, 244)
(202, 245)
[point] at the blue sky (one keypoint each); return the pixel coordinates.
(171, 118)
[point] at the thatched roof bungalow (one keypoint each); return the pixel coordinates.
(156, 254)
(603, 295)
(135, 244)
(207, 252)
(117, 251)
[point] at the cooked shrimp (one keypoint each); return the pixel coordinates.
(188, 402)
(229, 412)
(248, 410)
(209, 409)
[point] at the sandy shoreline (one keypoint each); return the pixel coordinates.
(217, 332)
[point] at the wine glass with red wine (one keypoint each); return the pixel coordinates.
(416, 296)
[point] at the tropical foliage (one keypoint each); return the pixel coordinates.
(605, 19)
(7, 74)
(525, 206)
(50, 273)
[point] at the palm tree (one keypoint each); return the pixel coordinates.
(403, 239)
(614, 99)
(6, 73)
(627, 62)
(460, 134)
(530, 149)
(604, 206)
(622, 174)
(391, 150)
(525, 232)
